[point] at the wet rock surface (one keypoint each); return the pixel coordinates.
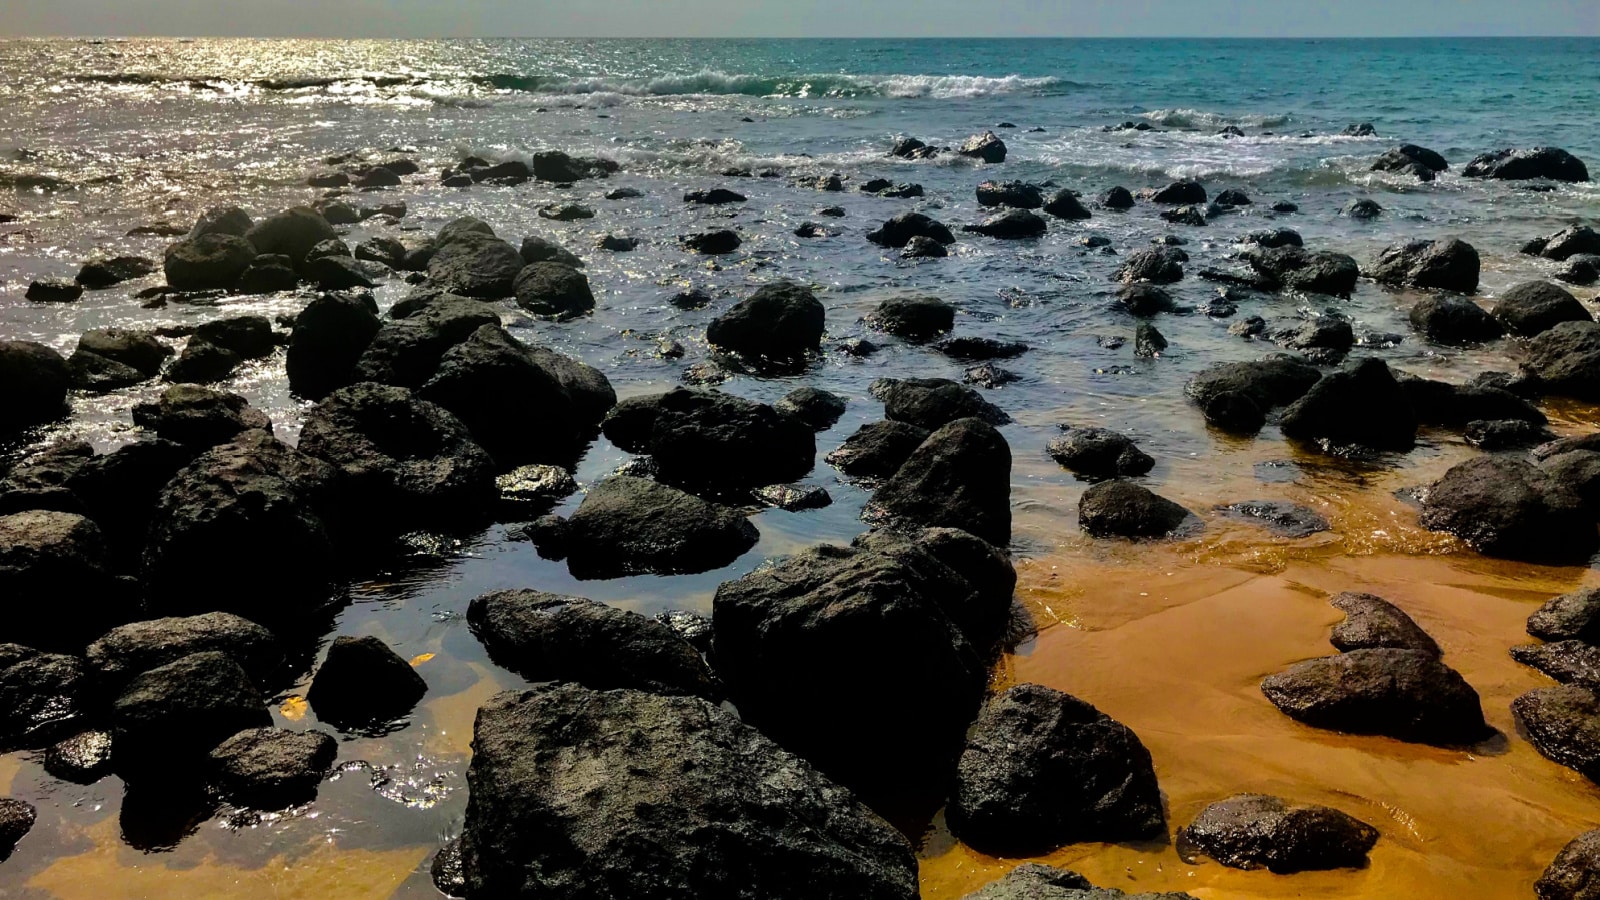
(1575, 872)
(271, 768)
(1563, 724)
(1099, 453)
(959, 477)
(1123, 509)
(628, 526)
(44, 696)
(1253, 831)
(1035, 881)
(363, 683)
(1374, 623)
(1405, 694)
(169, 718)
(1510, 508)
(1287, 519)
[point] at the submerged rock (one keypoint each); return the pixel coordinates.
(271, 768)
(1251, 831)
(630, 526)
(545, 637)
(362, 682)
(1043, 769)
(1286, 519)
(1375, 623)
(1014, 224)
(712, 243)
(1035, 881)
(915, 319)
(663, 772)
(1404, 694)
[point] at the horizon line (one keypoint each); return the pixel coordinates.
(757, 37)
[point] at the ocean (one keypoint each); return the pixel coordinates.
(101, 137)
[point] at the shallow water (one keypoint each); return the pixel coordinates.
(1170, 639)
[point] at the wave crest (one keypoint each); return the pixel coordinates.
(1196, 119)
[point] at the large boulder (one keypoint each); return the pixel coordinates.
(209, 262)
(632, 526)
(128, 651)
(1120, 508)
(817, 408)
(271, 768)
(1575, 872)
(1574, 240)
(1566, 358)
(1454, 405)
(794, 643)
(1295, 268)
(53, 575)
(708, 438)
(878, 449)
(780, 325)
(329, 336)
(1569, 662)
(554, 291)
(546, 637)
(474, 264)
(1534, 307)
(36, 381)
(111, 358)
(972, 580)
(1563, 724)
(42, 480)
(1254, 831)
(1524, 164)
(291, 233)
(898, 231)
(515, 408)
(406, 350)
(1448, 265)
(663, 797)
(169, 718)
(1099, 453)
(932, 403)
(1456, 321)
(1404, 694)
(1043, 769)
(1361, 405)
(362, 682)
(43, 696)
(236, 508)
(1510, 508)
(536, 249)
(960, 477)
(118, 490)
(407, 463)
(199, 417)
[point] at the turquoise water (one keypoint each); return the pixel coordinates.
(97, 138)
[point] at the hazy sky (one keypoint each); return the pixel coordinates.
(799, 18)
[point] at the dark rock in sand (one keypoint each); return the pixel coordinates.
(1454, 321)
(1525, 164)
(779, 325)
(631, 526)
(44, 696)
(1123, 509)
(236, 505)
(1566, 358)
(475, 265)
(1448, 265)
(915, 319)
(1043, 769)
(1286, 519)
(1295, 268)
(986, 147)
(1569, 662)
(271, 768)
(545, 637)
(813, 406)
(795, 641)
(330, 335)
(554, 291)
(536, 249)
(1254, 831)
(1015, 194)
(1534, 307)
(1373, 623)
(363, 682)
(1563, 724)
(407, 463)
(1361, 405)
(513, 405)
(666, 772)
(1015, 224)
(199, 417)
(1035, 881)
(1509, 508)
(1574, 616)
(128, 651)
(898, 231)
(167, 719)
(1158, 265)
(712, 243)
(1404, 694)
(209, 262)
(878, 449)
(960, 477)
(1575, 872)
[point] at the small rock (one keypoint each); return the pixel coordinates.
(362, 682)
(1252, 831)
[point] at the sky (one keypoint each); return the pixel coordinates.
(799, 18)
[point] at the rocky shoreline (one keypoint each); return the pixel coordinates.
(797, 742)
